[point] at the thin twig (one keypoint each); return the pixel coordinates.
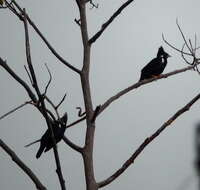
(93, 5)
(80, 113)
(14, 109)
(29, 76)
(52, 104)
(63, 99)
(183, 36)
(182, 55)
(147, 141)
(75, 122)
(22, 165)
(110, 20)
(50, 78)
(173, 47)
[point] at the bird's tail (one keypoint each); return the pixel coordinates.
(32, 143)
(40, 151)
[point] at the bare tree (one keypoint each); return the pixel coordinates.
(39, 99)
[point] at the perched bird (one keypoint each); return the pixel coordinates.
(156, 66)
(46, 142)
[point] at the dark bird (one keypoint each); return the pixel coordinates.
(156, 66)
(46, 142)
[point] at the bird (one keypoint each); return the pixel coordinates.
(46, 142)
(156, 66)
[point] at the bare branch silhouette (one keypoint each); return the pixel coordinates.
(43, 106)
(61, 59)
(18, 79)
(14, 109)
(72, 145)
(147, 141)
(50, 79)
(110, 20)
(22, 165)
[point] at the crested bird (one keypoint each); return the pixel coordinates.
(46, 142)
(156, 66)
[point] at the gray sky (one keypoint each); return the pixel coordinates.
(118, 56)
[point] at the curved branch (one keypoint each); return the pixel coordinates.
(72, 145)
(138, 84)
(21, 164)
(173, 47)
(110, 20)
(147, 141)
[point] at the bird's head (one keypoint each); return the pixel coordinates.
(162, 53)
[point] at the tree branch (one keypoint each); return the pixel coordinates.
(21, 164)
(43, 106)
(110, 20)
(138, 84)
(55, 53)
(147, 141)
(15, 109)
(19, 80)
(72, 145)
(75, 122)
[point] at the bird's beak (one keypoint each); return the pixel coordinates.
(169, 55)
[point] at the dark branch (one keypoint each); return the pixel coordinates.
(43, 106)
(63, 99)
(147, 141)
(76, 122)
(72, 145)
(19, 80)
(28, 56)
(15, 109)
(50, 78)
(173, 47)
(110, 20)
(45, 40)
(21, 164)
(80, 113)
(183, 36)
(29, 76)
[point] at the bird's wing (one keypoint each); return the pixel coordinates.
(151, 65)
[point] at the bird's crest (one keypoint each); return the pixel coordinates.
(160, 51)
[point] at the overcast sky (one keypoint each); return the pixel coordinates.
(130, 42)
